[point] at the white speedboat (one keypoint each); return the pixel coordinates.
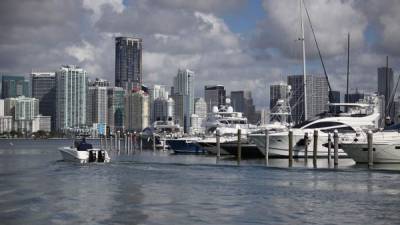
(386, 148)
(83, 152)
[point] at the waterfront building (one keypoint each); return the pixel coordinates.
(5, 121)
(157, 92)
(14, 86)
(164, 109)
(23, 110)
(214, 95)
(184, 97)
(242, 101)
(277, 91)
(71, 83)
(97, 103)
(354, 97)
(137, 111)
(43, 87)
(128, 62)
(199, 116)
(317, 96)
(115, 108)
(42, 123)
(385, 88)
(334, 97)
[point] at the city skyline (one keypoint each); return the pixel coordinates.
(249, 41)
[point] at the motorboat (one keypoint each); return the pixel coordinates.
(361, 116)
(83, 152)
(385, 147)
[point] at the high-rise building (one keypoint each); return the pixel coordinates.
(23, 111)
(242, 101)
(155, 92)
(184, 97)
(335, 98)
(137, 111)
(5, 121)
(214, 95)
(116, 108)
(14, 86)
(128, 62)
(164, 109)
(277, 91)
(43, 87)
(385, 87)
(71, 83)
(317, 96)
(97, 103)
(199, 116)
(354, 97)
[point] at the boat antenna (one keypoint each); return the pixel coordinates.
(319, 54)
(304, 60)
(348, 68)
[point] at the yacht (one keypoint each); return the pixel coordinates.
(83, 152)
(363, 115)
(386, 146)
(228, 123)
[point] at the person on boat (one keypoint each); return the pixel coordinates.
(82, 145)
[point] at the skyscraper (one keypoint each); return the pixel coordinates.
(199, 116)
(97, 103)
(71, 83)
(115, 108)
(14, 86)
(385, 87)
(137, 111)
(214, 95)
(277, 91)
(128, 62)
(354, 97)
(23, 110)
(163, 109)
(44, 88)
(157, 92)
(184, 97)
(335, 98)
(242, 101)
(317, 96)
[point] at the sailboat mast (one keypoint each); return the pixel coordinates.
(304, 61)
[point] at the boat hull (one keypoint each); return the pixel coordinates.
(185, 146)
(72, 155)
(382, 153)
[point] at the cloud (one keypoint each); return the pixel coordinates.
(44, 34)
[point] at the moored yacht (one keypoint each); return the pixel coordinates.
(360, 116)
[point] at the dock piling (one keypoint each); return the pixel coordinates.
(266, 142)
(290, 148)
(239, 146)
(154, 142)
(141, 141)
(306, 148)
(217, 136)
(336, 148)
(315, 148)
(370, 149)
(329, 148)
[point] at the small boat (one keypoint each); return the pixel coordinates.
(83, 152)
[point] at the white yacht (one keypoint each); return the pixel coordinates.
(83, 152)
(228, 123)
(360, 116)
(386, 147)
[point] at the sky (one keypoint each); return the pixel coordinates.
(242, 44)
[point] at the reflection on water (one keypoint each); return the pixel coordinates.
(158, 188)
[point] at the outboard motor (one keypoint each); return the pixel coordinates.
(101, 156)
(92, 156)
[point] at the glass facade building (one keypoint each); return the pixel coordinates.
(128, 63)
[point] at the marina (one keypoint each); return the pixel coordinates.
(160, 188)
